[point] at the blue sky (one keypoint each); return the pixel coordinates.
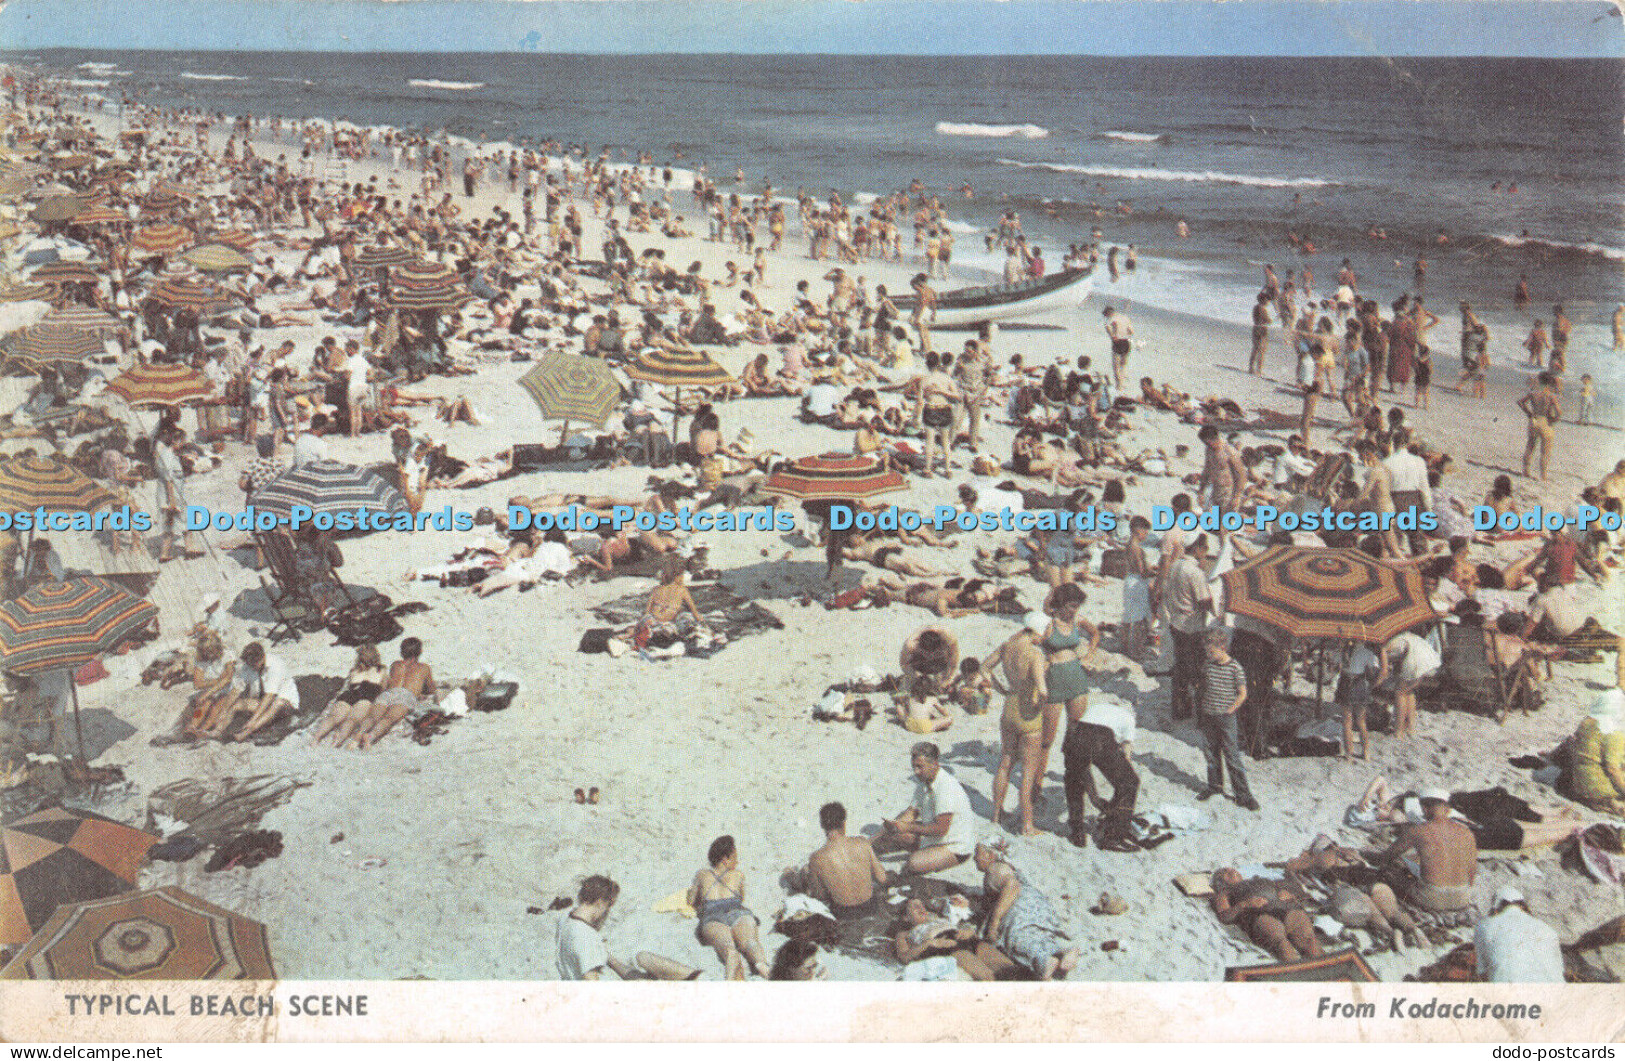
(929, 27)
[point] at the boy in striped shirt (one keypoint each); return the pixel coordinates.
(1224, 690)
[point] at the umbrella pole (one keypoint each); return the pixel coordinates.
(78, 727)
(564, 434)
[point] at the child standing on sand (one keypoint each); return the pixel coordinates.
(1588, 398)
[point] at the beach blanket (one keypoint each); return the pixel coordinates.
(1344, 966)
(315, 693)
(873, 935)
(729, 616)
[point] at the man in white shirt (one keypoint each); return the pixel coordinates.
(1514, 947)
(822, 398)
(1294, 463)
(937, 828)
(310, 446)
(582, 954)
(358, 390)
(1100, 733)
(265, 689)
(1410, 486)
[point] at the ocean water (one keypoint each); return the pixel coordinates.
(1246, 151)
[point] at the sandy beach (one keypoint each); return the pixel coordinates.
(420, 860)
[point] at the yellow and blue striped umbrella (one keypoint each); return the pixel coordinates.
(571, 387)
(60, 625)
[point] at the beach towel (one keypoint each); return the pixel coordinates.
(729, 616)
(1345, 966)
(675, 903)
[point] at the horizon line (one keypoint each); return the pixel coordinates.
(811, 55)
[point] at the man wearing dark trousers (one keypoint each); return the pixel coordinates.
(1100, 735)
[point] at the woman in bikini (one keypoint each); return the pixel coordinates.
(350, 706)
(726, 925)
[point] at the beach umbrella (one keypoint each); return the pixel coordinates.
(161, 385)
(163, 238)
(217, 258)
(61, 626)
(834, 477)
(384, 256)
(24, 292)
(101, 214)
(71, 160)
(329, 487)
(178, 291)
(66, 272)
(85, 318)
(59, 856)
(27, 483)
(572, 387)
(46, 343)
(58, 208)
(237, 238)
(426, 285)
(1328, 593)
(162, 200)
(678, 368)
(163, 934)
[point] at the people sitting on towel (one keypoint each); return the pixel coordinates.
(670, 609)
(844, 874)
(946, 926)
(265, 689)
(1441, 855)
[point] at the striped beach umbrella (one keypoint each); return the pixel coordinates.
(178, 291)
(27, 483)
(571, 387)
(161, 385)
(834, 477)
(24, 292)
(678, 368)
(101, 214)
(66, 272)
(163, 238)
(162, 201)
(384, 256)
(61, 625)
(237, 238)
(330, 487)
(1328, 593)
(46, 343)
(85, 318)
(163, 934)
(426, 285)
(58, 856)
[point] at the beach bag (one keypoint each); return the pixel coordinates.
(596, 640)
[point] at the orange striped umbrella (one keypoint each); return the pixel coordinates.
(161, 385)
(163, 238)
(65, 272)
(27, 483)
(101, 214)
(834, 477)
(185, 291)
(163, 934)
(1341, 593)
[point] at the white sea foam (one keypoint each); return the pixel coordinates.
(188, 75)
(97, 66)
(78, 82)
(1205, 176)
(1133, 138)
(1025, 132)
(1616, 253)
(449, 86)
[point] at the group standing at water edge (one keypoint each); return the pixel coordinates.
(852, 360)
